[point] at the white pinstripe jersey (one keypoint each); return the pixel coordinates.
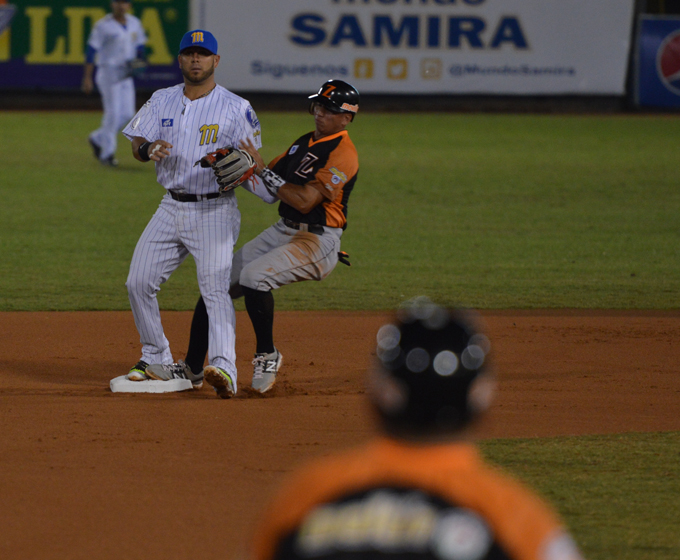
(114, 42)
(194, 128)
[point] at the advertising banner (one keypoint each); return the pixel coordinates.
(658, 62)
(42, 42)
(423, 46)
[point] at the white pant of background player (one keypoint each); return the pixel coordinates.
(208, 230)
(118, 102)
(281, 255)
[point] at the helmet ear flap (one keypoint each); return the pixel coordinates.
(480, 394)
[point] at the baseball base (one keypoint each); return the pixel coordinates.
(123, 385)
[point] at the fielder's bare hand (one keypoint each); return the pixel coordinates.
(159, 150)
(87, 85)
(248, 146)
(144, 150)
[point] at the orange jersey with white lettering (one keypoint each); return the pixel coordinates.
(330, 165)
(394, 501)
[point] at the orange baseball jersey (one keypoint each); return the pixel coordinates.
(330, 165)
(396, 501)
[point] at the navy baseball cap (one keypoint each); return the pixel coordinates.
(199, 38)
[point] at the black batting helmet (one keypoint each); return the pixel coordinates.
(432, 373)
(337, 96)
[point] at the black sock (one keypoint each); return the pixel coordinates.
(260, 307)
(198, 339)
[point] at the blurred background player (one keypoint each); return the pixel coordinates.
(115, 44)
(420, 490)
(313, 180)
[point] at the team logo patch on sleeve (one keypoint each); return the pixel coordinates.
(166, 123)
(252, 118)
(337, 176)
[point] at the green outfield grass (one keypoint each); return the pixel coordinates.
(619, 493)
(490, 211)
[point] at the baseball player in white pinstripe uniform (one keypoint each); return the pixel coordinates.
(115, 41)
(175, 128)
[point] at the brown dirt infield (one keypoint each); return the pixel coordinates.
(91, 474)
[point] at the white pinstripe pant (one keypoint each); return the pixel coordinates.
(118, 103)
(208, 230)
